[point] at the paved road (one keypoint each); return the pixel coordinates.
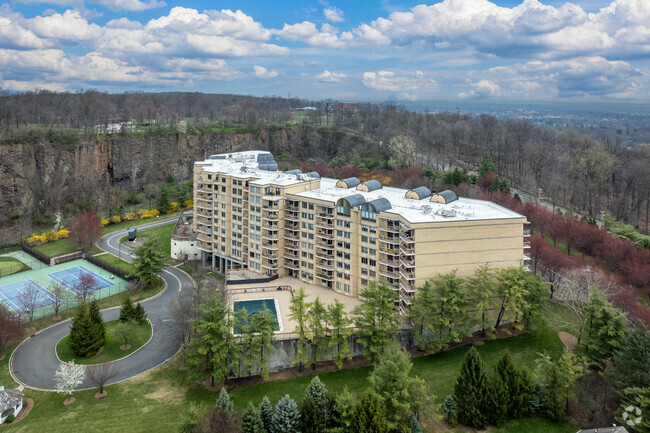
(34, 362)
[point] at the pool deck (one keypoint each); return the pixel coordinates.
(326, 296)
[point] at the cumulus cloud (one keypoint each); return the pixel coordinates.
(482, 89)
(308, 33)
(576, 77)
(330, 77)
(129, 5)
(263, 73)
(333, 14)
(67, 26)
(407, 85)
(528, 29)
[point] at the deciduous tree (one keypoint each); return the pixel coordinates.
(481, 289)
(28, 299)
(68, 376)
(101, 373)
(339, 330)
(10, 330)
(298, 312)
(86, 229)
(376, 319)
(85, 286)
(316, 324)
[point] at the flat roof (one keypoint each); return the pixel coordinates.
(244, 165)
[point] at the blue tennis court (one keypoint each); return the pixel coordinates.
(70, 277)
(10, 294)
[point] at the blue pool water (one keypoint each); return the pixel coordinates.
(253, 306)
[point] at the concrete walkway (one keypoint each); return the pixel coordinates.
(34, 362)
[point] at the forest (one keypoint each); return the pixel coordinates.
(579, 172)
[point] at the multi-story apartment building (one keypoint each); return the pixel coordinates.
(343, 233)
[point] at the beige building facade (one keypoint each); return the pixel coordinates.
(343, 233)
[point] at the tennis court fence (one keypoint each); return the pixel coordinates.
(109, 267)
(35, 253)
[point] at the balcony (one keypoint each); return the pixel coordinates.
(389, 251)
(323, 223)
(292, 266)
(388, 262)
(291, 237)
(407, 263)
(291, 207)
(406, 251)
(273, 267)
(407, 287)
(290, 225)
(325, 235)
(203, 229)
(271, 246)
(288, 216)
(326, 277)
(270, 216)
(408, 275)
(294, 246)
(388, 274)
(323, 264)
(406, 237)
(268, 255)
(390, 229)
(325, 245)
(205, 246)
(526, 233)
(390, 239)
(324, 255)
(526, 245)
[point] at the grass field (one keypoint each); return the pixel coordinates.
(162, 234)
(128, 224)
(57, 248)
(154, 401)
(111, 350)
(10, 266)
(124, 265)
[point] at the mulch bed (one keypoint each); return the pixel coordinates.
(125, 347)
(504, 331)
(69, 401)
(28, 404)
(100, 395)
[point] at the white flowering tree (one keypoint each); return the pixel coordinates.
(68, 376)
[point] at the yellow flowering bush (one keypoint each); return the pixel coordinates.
(104, 222)
(173, 206)
(148, 213)
(131, 216)
(116, 219)
(48, 236)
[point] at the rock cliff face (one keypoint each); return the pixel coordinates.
(38, 176)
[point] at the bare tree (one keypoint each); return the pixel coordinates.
(578, 285)
(134, 286)
(57, 290)
(86, 285)
(28, 299)
(181, 310)
(9, 327)
(101, 373)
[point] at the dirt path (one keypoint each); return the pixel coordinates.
(568, 340)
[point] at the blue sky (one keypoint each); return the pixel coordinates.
(353, 51)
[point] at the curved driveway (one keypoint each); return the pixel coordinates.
(34, 362)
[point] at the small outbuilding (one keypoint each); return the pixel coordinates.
(11, 403)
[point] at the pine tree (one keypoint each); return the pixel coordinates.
(317, 392)
(339, 322)
(508, 373)
(521, 395)
(83, 340)
(470, 391)
(344, 409)
(251, 422)
(451, 409)
(481, 287)
(415, 425)
(286, 417)
(149, 259)
(126, 312)
(370, 415)
(99, 328)
(316, 320)
(224, 402)
(605, 329)
(139, 315)
(311, 417)
(298, 311)
(266, 414)
(497, 401)
(631, 362)
(536, 402)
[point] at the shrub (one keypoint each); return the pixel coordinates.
(10, 418)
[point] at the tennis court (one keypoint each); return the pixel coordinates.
(11, 293)
(72, 277)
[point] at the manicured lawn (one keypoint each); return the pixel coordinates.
(57, 248)
(113, 260)
(10, 266)
(162, 234)
(125, 225)
(111, 350)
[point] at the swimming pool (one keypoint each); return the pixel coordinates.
(252, 306)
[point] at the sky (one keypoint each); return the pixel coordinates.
(347, 50)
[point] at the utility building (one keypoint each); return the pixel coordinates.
(343, 233)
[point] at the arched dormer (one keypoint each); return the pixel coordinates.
(343, 205)
(349, 183)
(371, 185)
(370, 209)
(444, 197)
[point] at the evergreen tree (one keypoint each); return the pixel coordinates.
(370, 415)
(99, 327)
(266, 414)
(497, 401)
(400, 394)
(149, 259)
(631, 362)
(421, 314)
(258, 341)
(317, 391)
(451, 409)
(536, 402)
(139, 315)
(376, 319)
(521, 395)
(557, 378)
(126, 312)
(311, 417)
(213, 351)
(224, 402)
(286, 417)
(486, 165)
(298, 310)
(251, 422)
(83, 339)
(339, 331)
(510, 378)
(345, 407)
(415, 425)
(470, 391)
(605, 329)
